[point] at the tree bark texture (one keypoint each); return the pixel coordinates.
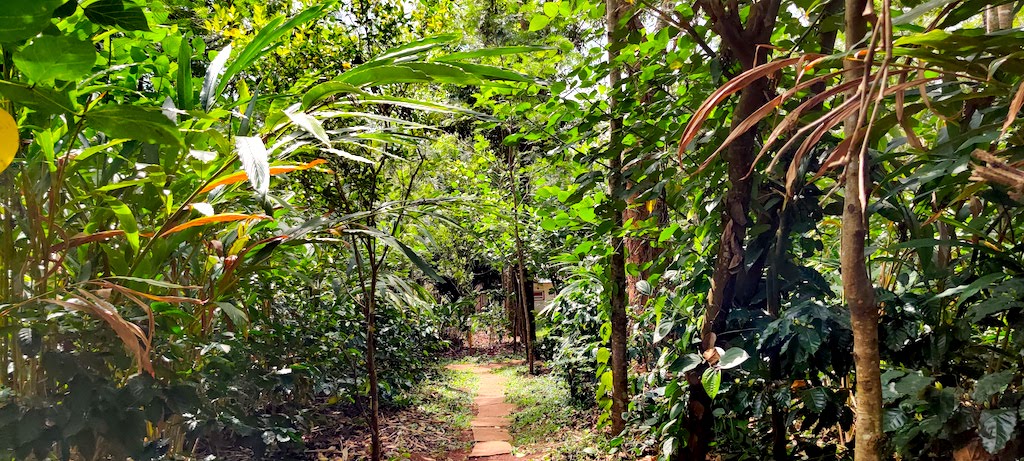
(857, 287)
(617, 264)
(640, 250)
(998, 17)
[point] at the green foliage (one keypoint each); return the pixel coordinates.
(208, 205)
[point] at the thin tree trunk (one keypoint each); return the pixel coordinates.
(371, 367)
(617, 262)
(524, 307)
(508, 288)
(639, 249)
(857, 287)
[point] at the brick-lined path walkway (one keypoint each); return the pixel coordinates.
(490, 427)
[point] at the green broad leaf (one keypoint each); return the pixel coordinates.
(493, 73)
(351, 156)
(667, 232)
(184, 84)
(551, 9)
(644, 287)
(124, 184)
(996, 428)
(815, 399)
(712, 381)
(426, 106)
(913, 383)
(135, 122)
(538, 22)
(919, 10)
(21, 19)
(966, 291)
(237, 316)
(66, 9)
(127, 220)
(992, 384)
(86, 153)
(491, 52)
(48, 58)
(383, 75)
(664, 328)
(116, 13)
(668, 448)
(327, 89)
(415, 47)
(39, 99)
(254, 157)
(444, 73)
(603, 354)
(987, 307)
(685, 363)
(309, 124)
(151, 282)
(732, 358)
(893, 419)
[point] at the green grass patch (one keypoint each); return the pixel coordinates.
(547, 418)
(447, 395)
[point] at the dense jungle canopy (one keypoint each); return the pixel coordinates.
(635, 229)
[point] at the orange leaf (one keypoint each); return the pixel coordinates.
(82, 239)
(242, 176)
(166, 299)
(1015, 105)
(224, 217)
(736, 84)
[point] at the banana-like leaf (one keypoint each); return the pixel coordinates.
(253, 155)
(491, 52)
(242, 175)
(219, 218)
(327, 89)
(213, 76)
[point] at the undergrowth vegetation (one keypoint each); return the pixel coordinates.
(547, 420)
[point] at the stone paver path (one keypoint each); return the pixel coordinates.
(490, 426)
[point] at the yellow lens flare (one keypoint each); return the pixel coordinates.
(8, 139)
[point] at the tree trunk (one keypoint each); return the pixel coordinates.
(369, 310)
(730, 274)
(523, 304)
(640, 250)
(617, 263)
(731, 280)
(508, 289)
(857, 288)
(998, 17)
